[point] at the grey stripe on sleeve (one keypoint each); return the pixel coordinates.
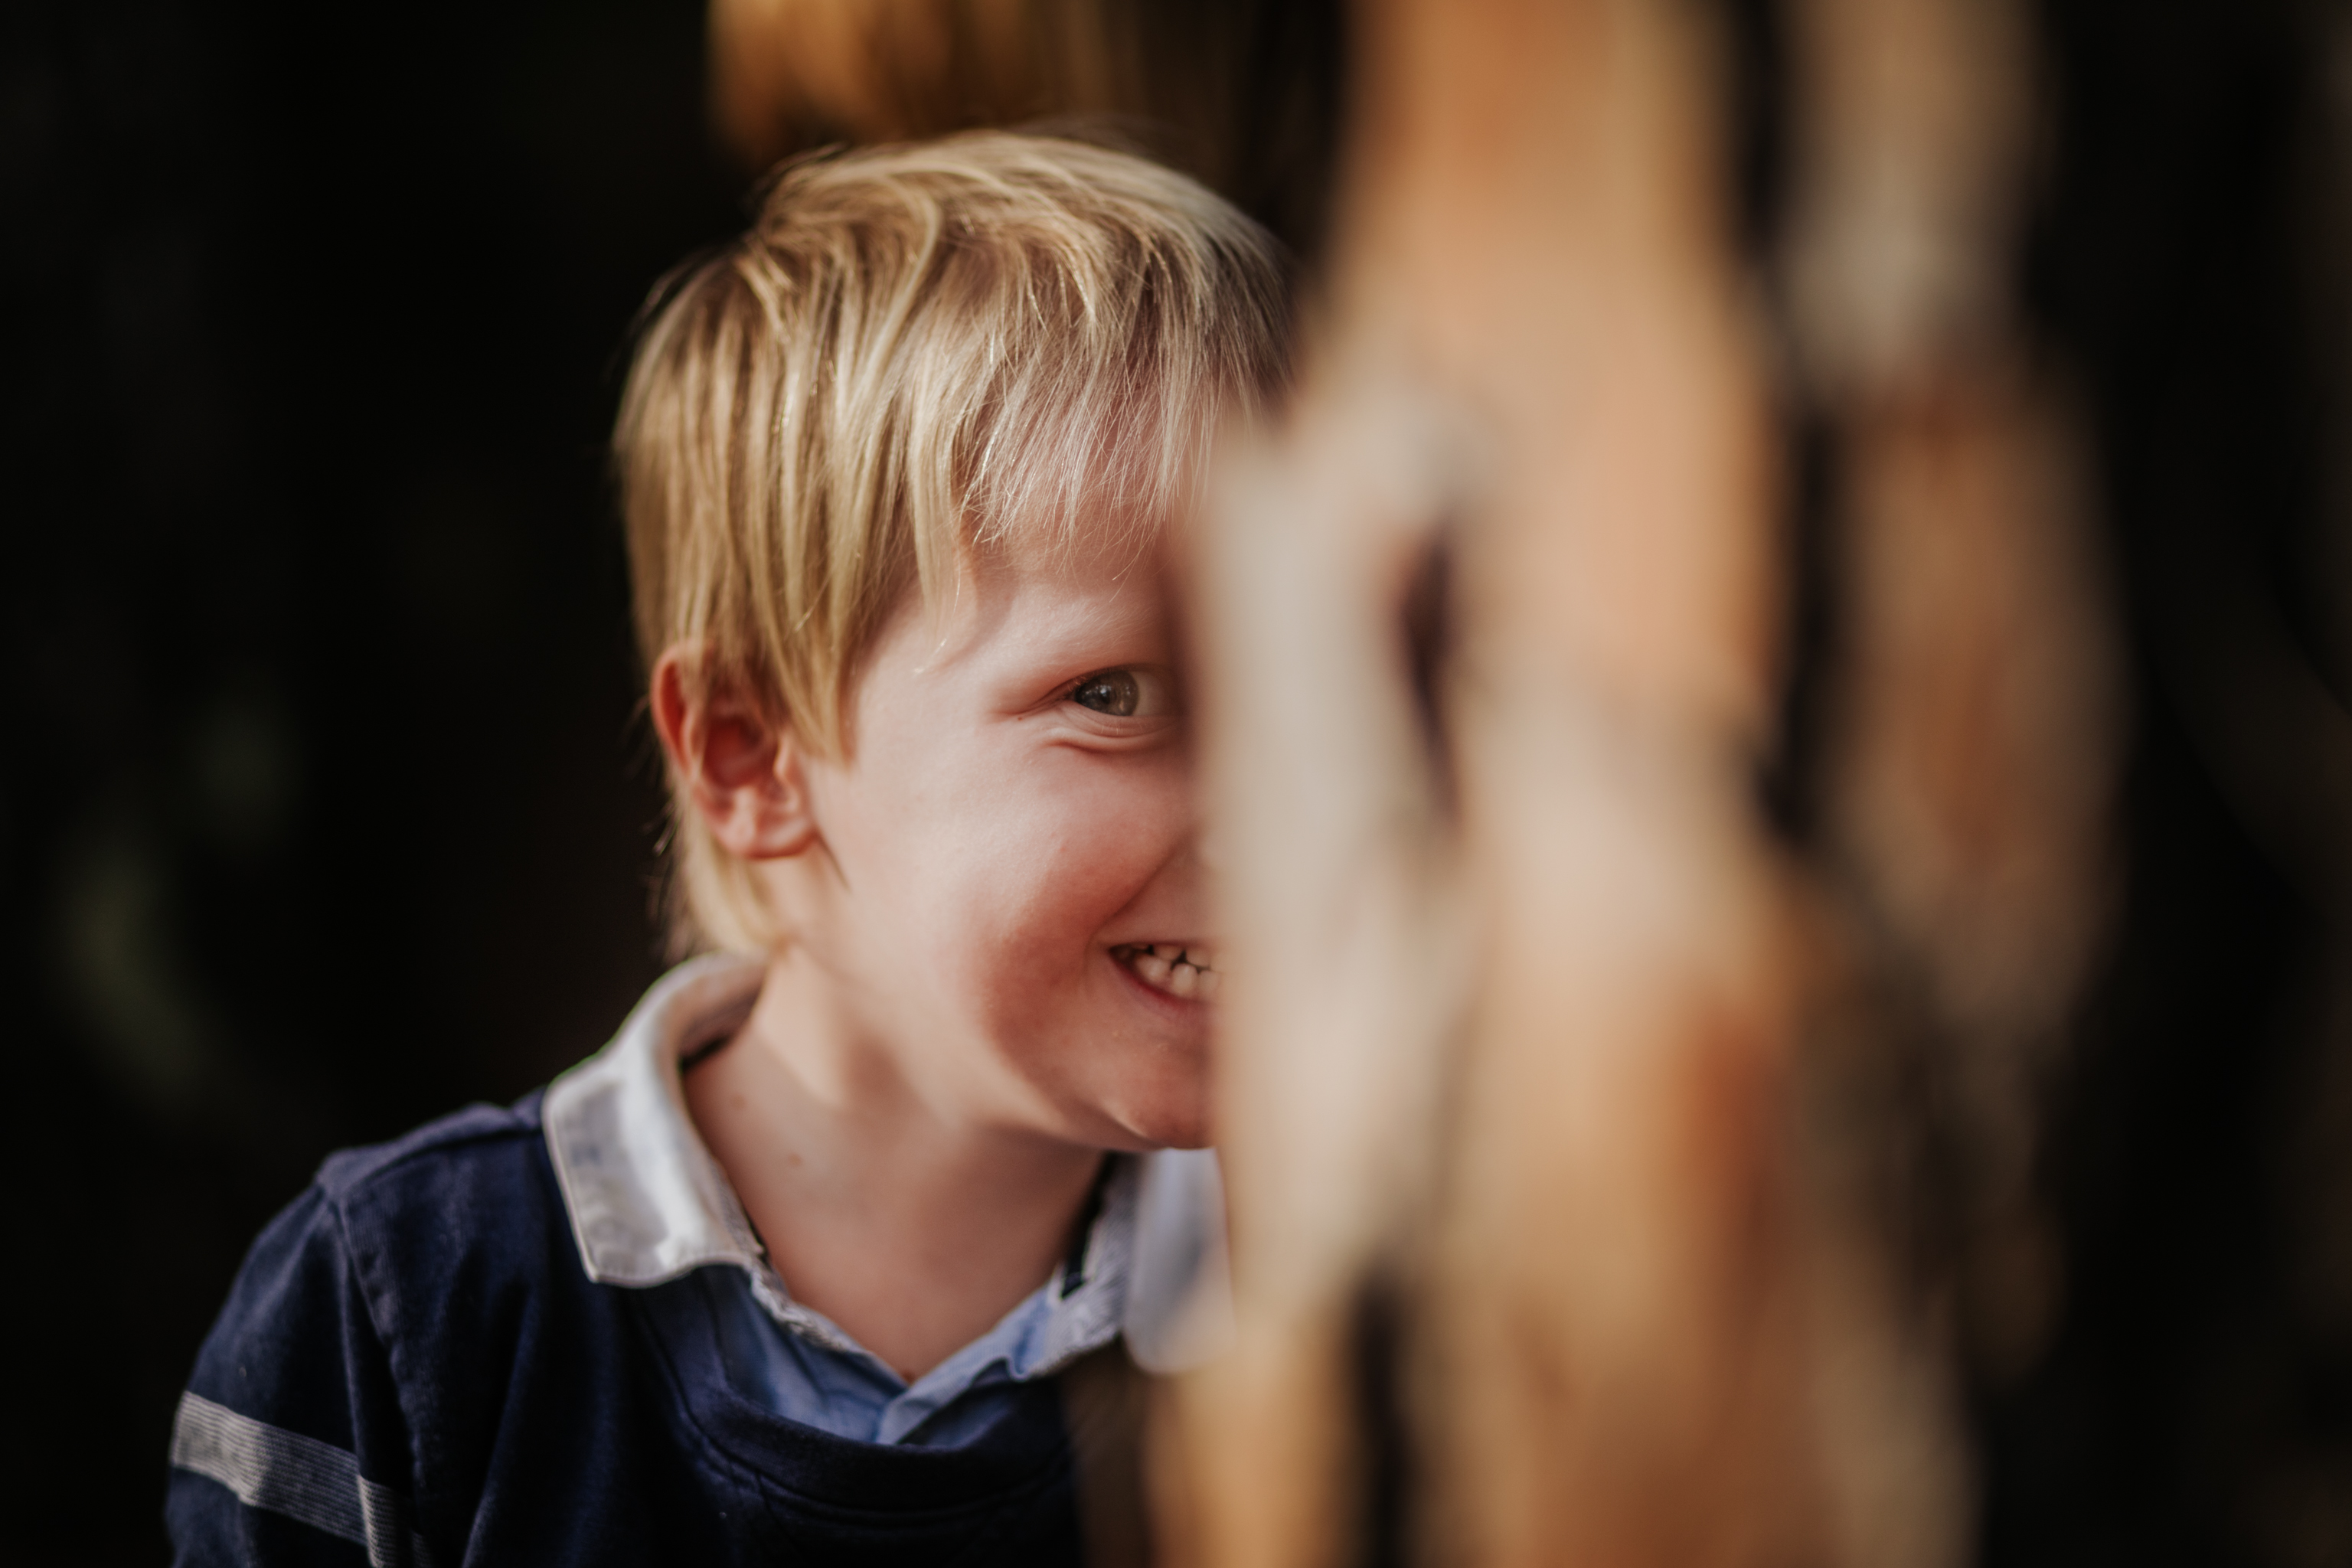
(270, 1467)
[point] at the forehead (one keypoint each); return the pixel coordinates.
(1103, 597)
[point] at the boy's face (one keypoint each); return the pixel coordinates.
(1011, 837)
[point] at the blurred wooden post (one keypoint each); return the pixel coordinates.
(1544, 1070)
(1519, 1063)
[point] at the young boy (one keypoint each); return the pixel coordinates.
(801, 1265)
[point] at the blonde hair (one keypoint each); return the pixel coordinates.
(915, 353)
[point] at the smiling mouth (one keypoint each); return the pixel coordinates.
(1186, 972)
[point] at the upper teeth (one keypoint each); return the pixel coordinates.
(1186, 972)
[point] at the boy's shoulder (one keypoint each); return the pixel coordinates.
(476, 1143)
(463, 1209)
(415, 1319)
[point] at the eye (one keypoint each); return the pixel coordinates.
(1114, 691)
(1134, 693)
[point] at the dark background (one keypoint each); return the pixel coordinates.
(324, 809)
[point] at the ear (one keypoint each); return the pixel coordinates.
(742, 772)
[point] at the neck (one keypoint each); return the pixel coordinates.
(913, 1222)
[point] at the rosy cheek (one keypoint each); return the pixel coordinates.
(1092, 848)
(1117, 829)
(1080, 878)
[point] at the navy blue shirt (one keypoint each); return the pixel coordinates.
(414, 1367)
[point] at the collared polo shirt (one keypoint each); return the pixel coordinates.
(546, 1333)
(650, 1206)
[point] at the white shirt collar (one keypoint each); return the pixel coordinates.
(649, 1202)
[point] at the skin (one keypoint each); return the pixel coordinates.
(940, 1057)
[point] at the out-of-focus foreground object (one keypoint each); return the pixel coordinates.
(1503, 1076)
(1569, 1118)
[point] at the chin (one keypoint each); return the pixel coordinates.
(1135, 1094)
(1167, 1122)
